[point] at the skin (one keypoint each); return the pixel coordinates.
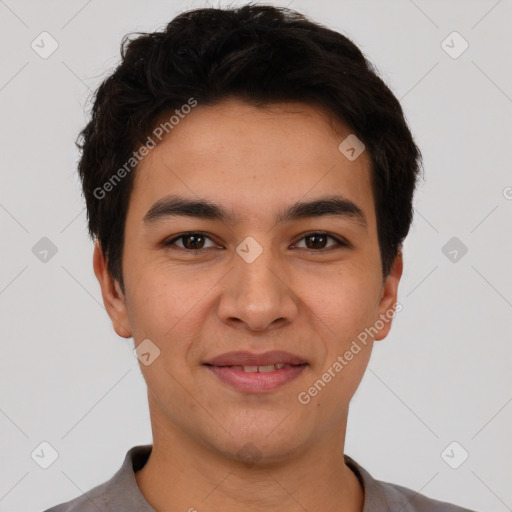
(311, 302)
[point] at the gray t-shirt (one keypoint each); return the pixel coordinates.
(121, 493)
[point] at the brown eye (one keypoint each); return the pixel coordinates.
(190, 241)
(193, 241)
(318, 241)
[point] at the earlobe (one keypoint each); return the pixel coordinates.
(113, 297)
(387, 305)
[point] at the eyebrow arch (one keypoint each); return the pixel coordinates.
(173, 205)
(337, 206)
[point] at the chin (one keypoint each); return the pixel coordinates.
(261, 443)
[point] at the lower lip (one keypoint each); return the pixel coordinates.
(256, 382)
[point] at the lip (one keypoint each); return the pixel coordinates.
(256, 382)
(226, 367)
(245, 358)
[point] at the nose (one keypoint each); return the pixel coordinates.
(258, 296)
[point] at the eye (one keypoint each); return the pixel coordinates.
(317, 241)
(192, 241)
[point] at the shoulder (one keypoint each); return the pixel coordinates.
(383, 496)
(119, 494)
(92, 501)
(408, 500)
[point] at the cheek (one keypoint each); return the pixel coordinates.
(170, 308)
(157, 305)
(344, 301)
(342, 309)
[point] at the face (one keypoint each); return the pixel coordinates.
(251, 271)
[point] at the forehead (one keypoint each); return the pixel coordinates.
(253, 159)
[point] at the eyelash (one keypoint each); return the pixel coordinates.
(340, 243)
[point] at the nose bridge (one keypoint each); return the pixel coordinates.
(258, 276)
(256, 294)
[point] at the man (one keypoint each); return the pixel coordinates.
(249, 183)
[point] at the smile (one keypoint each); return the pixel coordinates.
(257, 379)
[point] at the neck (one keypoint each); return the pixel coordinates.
(182, 474)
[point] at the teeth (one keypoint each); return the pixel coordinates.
(268, 368)
(261, 369)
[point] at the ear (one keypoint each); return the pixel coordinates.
(113, 297)
(389, 297)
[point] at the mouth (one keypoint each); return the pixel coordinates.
(256, 373)
(260, 369)
(251, 359)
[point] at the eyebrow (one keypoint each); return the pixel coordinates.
(172, 205)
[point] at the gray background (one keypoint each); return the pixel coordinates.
(442, 375)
